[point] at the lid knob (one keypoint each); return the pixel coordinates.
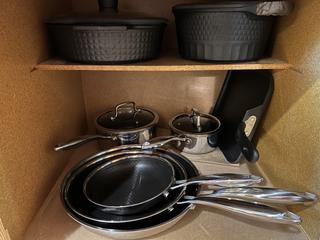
(196, 119)
(107, 5)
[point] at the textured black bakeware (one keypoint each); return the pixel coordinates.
(106, 44)
(108, 37)
(230, 36)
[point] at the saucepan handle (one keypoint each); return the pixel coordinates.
(161, 141)
(222, 180)
(80, 141)
(264, 195)
(253, 210)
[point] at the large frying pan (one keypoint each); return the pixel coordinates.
(162, 221)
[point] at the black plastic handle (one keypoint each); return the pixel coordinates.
(247, 148)
(213, 139)
(108, 5)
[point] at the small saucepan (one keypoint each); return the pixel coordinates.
(202, 129)
(125, 124)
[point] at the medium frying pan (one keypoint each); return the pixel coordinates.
(75, 198)
(136, 182)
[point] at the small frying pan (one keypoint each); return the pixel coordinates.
(135, 183)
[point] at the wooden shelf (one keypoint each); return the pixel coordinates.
(166, 63)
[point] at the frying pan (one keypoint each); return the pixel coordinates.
(135, 183)
(147, 226)
(74, 197)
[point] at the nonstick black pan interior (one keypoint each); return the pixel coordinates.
(145, 223)
(129, 184)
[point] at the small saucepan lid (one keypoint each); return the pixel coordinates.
(126, 117)
(195, 123)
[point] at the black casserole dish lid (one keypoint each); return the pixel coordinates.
(108, 16)
(262, 8)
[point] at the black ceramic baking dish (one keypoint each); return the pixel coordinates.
(108, 37)
(228, 30)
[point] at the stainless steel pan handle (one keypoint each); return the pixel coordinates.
(80, 141)
(161, 141)
(222, 180)
(252, 210)
(265, 195)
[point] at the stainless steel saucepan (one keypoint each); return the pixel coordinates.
(202, 129)
(125, 124)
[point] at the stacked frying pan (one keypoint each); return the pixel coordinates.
(135, 191)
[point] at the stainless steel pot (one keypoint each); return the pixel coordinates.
(202, 129)
(125, 124)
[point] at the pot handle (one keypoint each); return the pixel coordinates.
(274, 8)
(80, 141)
(108, 5)
(120, 105)
(222, 180)
(253, 210)
(247, 148)
(265, 195)
(263, 8)
(161, 141)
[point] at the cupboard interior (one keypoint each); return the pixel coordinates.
(54, 106)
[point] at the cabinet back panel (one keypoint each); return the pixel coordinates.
(166, 93)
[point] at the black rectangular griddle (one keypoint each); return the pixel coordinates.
(242, 102)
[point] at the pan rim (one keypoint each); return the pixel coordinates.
(161, 192)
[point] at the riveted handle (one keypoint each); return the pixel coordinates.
(80, 141)
(222, 180)
(264, 195)
(253, 210)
